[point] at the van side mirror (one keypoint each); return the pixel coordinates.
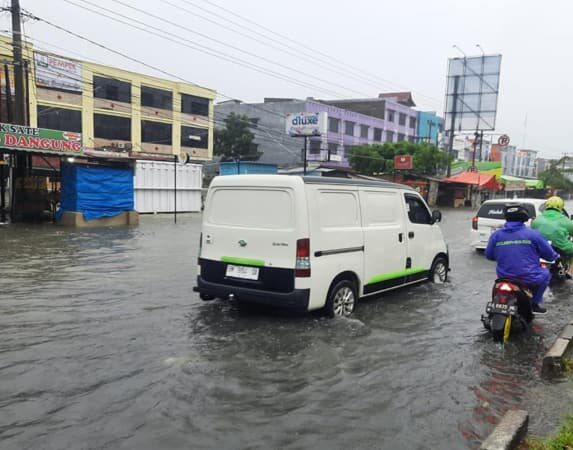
(436, 216)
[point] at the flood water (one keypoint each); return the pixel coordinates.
(103, 345)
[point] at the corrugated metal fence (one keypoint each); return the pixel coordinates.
(154, 183)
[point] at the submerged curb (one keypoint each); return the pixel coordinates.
(509, 432)
(553, 361)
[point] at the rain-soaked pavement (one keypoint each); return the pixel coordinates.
(103, 345)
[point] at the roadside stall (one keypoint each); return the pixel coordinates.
(468, 189)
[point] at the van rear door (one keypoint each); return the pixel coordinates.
(249, 237)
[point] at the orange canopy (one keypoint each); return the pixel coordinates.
(482, 180)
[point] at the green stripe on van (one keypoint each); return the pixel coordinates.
(243, 261)
(391, 275)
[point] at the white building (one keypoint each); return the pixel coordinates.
(519, 162)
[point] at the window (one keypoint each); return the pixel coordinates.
(251, 208)
(332, 148)
(402, 119)
(412, 122)
(254, 122)
(112, 127)
(390, 115)
(194, 137)
(314, 146)
(59, 119)
(156, 98)
(198, 106)
(155, 132)
(364, 131)
(112, 89)
(349, 128)
(389, 136)
(401, 137)
(333, 125)
(497, 210)
(412, 138)
(377, 134)
(417, 210)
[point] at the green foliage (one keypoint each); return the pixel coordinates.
(236, 140)
(555, 179)
(372, 159)
(562, 440)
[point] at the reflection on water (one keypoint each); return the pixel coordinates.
(104, 345)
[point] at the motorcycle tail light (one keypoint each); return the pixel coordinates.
(505, 287)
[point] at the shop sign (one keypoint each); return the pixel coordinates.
(403, 162)
(58, 73)
(40, 140)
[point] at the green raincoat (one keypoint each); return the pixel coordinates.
(557, 228)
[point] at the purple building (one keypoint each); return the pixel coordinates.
(350, 123)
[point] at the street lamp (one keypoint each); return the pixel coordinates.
(459, 49)
(482, 52)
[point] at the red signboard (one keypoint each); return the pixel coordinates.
(403, 162)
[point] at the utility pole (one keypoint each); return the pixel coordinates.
(19, 107)
(453, 122)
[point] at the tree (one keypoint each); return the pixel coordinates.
(370, 159)
(236, 140)
(555, 179)
(367, 159)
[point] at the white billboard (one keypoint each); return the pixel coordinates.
(58, 73)
(306, 124)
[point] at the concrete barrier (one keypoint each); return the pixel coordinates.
(509, 433)
(553, 361)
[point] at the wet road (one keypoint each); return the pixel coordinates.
(103, 345)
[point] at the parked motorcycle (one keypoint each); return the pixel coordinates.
(510, 303)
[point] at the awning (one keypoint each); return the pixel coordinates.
(481, 180)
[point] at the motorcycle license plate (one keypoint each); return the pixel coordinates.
(502, 308)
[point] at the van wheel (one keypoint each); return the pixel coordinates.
(341, 299)
(439, 271)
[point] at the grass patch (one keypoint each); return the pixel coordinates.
(562, 440)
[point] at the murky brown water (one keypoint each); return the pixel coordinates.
(103, 345)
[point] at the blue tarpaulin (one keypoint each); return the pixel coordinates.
(96, 191)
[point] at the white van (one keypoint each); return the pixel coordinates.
(314, 242)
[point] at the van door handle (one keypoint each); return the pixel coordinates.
(411, 235)
(400, 237)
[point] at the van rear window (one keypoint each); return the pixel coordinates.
(251, 208)
(496, 210)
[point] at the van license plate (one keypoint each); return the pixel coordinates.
(247, 273)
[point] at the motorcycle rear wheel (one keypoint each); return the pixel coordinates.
(498, 326)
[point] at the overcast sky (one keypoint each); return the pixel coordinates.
(338, 50)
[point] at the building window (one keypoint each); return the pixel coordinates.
(59, 119)
(389, 136)
(412, 122)
(411, 138)
(402, 119)
(314, 147)
(377, 134)
(390, 115)
(194, 137)
(254, 122)
(112, 89)
(333, 125)
(112, 127)
(156, 98)
(198, 106)
(332, 148)
(155, 132)
(401, 137)
(349, 128)
(364, 131)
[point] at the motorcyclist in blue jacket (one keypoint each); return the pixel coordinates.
(517, 250)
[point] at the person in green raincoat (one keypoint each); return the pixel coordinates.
(557, 228)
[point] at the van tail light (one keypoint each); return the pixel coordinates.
(302, 267)
(475, 223)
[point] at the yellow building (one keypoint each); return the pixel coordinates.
(114, 109)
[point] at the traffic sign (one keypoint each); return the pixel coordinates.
(503, 140)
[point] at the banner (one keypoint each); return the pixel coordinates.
(58, 73)
(41, 140)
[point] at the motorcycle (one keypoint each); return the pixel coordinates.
(510, 302)
(559, 268)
